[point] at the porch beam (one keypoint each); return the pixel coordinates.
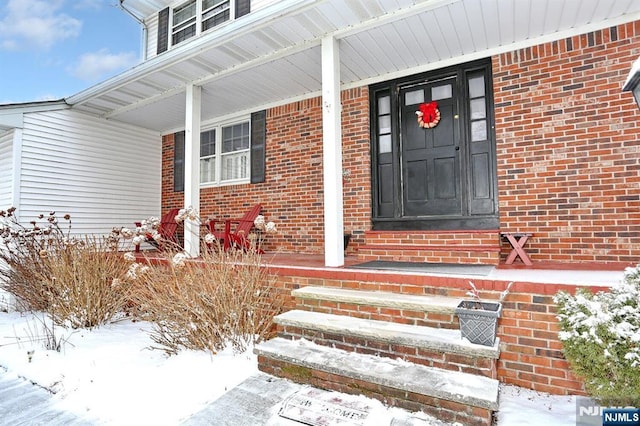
(332, 153)
(192, 166)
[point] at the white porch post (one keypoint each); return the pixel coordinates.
(192, 167)
(332, 154)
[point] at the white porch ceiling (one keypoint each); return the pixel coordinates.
(273, 55)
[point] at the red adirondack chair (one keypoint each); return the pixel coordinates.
(168, 230)
(235, 232)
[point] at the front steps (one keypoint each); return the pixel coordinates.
(454, 246)
(412, 362)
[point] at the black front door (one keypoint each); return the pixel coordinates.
(430, 156)
(435, 175)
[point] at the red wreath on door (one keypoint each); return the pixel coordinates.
(428, 115)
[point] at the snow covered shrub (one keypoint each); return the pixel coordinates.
(85, 284)
(600, 334)
(223, 298)
(70, 278)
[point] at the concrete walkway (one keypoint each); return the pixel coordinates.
(23, 403)
(255, 402)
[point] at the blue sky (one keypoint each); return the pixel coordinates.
(51, 49)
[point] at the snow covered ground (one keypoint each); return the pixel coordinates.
(110, 376)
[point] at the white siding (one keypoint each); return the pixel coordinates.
(103, 173)
(6, 170)
(152, 35)
(259, 4)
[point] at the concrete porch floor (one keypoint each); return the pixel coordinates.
(540, 272)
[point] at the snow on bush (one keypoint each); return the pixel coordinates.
(600, 334)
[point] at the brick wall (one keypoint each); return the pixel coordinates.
(292, 195)
(568, 146)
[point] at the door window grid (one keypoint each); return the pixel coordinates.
(477, 108)
(384, 124)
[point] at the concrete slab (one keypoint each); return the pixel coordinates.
(258, 400)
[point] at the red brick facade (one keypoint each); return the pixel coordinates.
(292, 194)
(568, 156)
(568, 144)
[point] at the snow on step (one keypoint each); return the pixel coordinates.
(380, 298)
(443, 340)
(468, 389)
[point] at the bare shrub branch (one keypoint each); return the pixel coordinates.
(224, 298)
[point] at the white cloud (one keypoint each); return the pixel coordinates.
(95, 65)
(28, 24)
(88, 4)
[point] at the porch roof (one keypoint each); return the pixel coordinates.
(273, 56)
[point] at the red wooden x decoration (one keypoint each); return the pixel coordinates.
(517, 241)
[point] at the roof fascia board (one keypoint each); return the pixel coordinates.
(250, 22)
(209, 79)
(33, 106)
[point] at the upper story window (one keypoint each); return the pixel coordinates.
(215, 12)
(195, 17)
(184, 22)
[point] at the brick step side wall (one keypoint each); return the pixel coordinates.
(469, 247)
(448, 361)
(402, 316)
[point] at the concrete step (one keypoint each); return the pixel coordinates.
(448, 395)
(438, 304)
(423, 310)
(434, 347)
(437, 339)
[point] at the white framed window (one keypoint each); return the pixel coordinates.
(197, 16)
(215, 12)
(225, 154)
(184, 23)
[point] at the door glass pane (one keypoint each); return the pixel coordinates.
(385, 144)
(384, 105)
(479, 130)
(476, 87)
(478, 109)
(414, 97)
(441, 92)
(385, 124)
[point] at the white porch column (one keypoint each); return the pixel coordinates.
(192, 167)
(332, 154)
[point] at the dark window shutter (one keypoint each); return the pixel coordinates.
(163, 31)
(178, 162)
(242, 7)
(258, 146)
